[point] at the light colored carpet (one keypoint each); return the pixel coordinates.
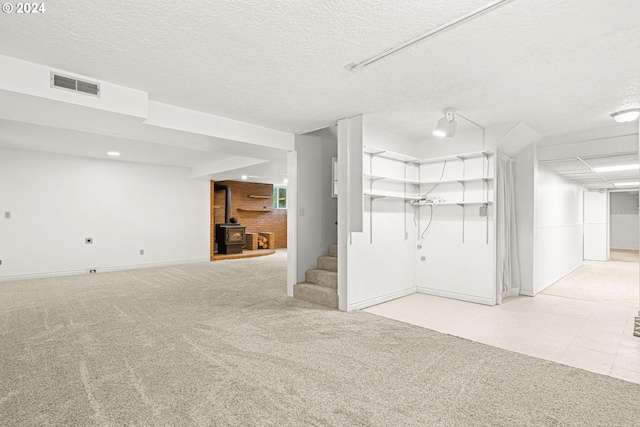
(220, 344)
(615, 281)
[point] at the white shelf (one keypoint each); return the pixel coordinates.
(461, 181)
(387, 178)
(416, 198)
(390, 196)
(415, 182)
(462, 156)
(456, 203)
(381, 152)
(375, 151)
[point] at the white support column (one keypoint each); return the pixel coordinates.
(292, 221)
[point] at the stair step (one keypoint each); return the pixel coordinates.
(329, 263)
(333, 249)
(328, 279)
(316, 294)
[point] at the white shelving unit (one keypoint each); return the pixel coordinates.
(418, 182)
(390, 196)
(416, 197)
(462, 157)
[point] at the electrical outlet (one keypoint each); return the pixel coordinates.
(141, 251)
(419, 246)
(0, 262)
(92, 270)
(423, 258)
(88, 241)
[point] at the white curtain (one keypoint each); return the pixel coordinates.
(508, 269)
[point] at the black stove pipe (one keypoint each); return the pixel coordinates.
(227, 200)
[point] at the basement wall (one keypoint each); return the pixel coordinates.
(623, 220)
(559, 228)
(381, 257)
(56, 201)
(459, 245)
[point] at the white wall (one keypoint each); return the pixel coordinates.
(57, 201)
(381, 257)
(596, 225)
(329, 204)
(624, 220)
(309, 215)
(452, 267)
(559, 228)
(316, 210)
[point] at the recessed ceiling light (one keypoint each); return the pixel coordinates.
(244, 177)
(617, 168)
(627, 184)
(626, 115)
(113, 153)
(285, 181)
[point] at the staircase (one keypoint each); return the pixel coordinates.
(321, 284)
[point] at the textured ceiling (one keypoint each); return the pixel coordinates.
(581, 170)
(559, 66)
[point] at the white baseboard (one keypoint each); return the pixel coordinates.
(383, 298)
(42, 275)
(100, 270)
(151, 265)
(454, 295)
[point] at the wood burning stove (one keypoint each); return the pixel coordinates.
(229, 236)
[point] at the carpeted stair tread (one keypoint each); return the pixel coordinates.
(329, 263)
(333, 250)
(328, 279)
(316, 294)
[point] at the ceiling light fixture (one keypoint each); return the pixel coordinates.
(446, 126)
(244, 177)
(113, 153)
(618, 168)
(627, 184)
(626, 116)
(358, 65)
(285, 181)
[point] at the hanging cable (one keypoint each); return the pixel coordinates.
(444, 165)
(429, 224)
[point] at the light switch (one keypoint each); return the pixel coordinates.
(300, 211)
(7, 215)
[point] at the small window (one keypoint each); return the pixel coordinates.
(279, 198)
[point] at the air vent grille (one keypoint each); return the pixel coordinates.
(64, 82)
(68, 83)
(85, 87)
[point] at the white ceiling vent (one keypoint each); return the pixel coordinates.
(69, 83)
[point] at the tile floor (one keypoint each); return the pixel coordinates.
(594, 336)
